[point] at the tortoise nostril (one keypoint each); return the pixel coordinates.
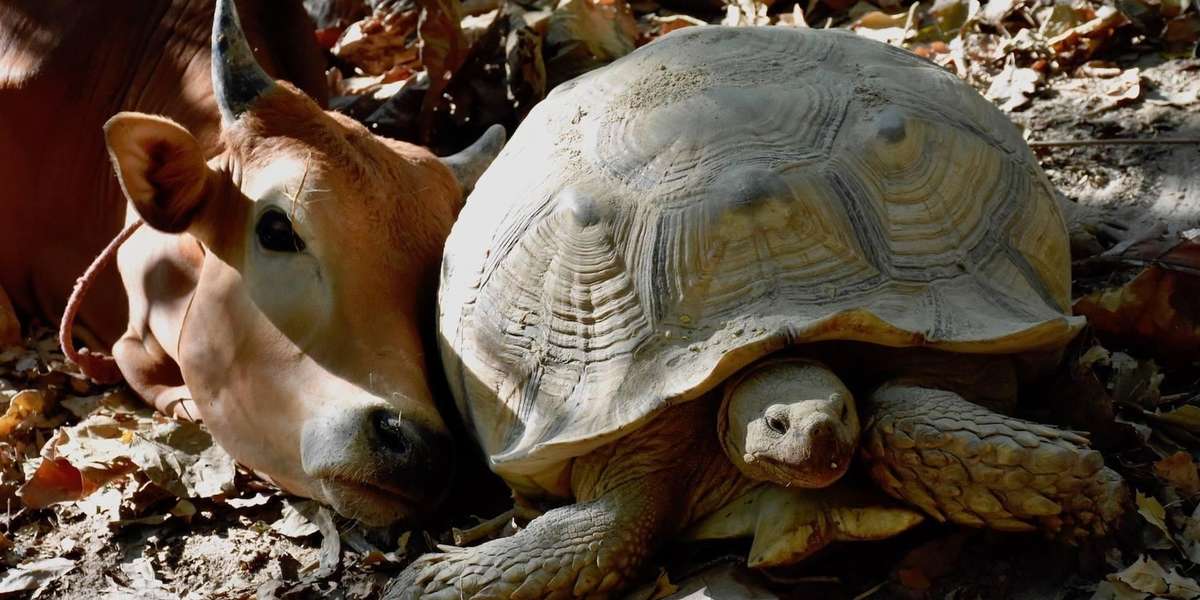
(390, 430)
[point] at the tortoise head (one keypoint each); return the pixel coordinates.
(790, 421)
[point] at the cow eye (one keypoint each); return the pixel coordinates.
(274, 231)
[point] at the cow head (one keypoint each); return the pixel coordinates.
(318, 246)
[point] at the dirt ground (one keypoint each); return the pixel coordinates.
(130, 539)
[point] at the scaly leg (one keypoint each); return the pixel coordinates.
(630, 496)
(964, 463)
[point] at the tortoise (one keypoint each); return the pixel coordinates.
(691, 272)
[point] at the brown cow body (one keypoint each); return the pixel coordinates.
(289, 258)
(66, 66)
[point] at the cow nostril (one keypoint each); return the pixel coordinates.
(390, 430)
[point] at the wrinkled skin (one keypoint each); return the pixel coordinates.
(276, 291)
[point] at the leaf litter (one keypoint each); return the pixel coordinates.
(89, 472)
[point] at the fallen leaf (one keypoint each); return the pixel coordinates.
(746, 13)
(1190, 537)
(584, 34)
(331, 543)
(297, 519)
(996, 11)
(179, 456)
(1118, 90)
(255, 500)
(182, 458)
(723, 581)
(1147, 576)
(1116, 590)
(1180, 471)
(670, 23)
(34, 575)
(78, 461)
(1155, 313)
(1151, 510)
(380, 42)
(1013, 86)
(24, 410)
(443, 49)
(1186, 416)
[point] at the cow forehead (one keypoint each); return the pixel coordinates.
(282, 174)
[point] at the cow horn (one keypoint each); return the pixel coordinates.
(238, 80)
(469, 164)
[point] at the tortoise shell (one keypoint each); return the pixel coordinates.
(660, 223)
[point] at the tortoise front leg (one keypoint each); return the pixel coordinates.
(964, 463)
(630, 495)
(578, 551)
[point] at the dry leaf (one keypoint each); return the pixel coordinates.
(1187, 417)
(584, 34)
(1151, 510)
(670, 23)
(1156, 312)
(34, 575)
(1119, 90)
(746, 13)
(297, 519)
(78, 461)
(380, 42)
(24, 410)
(883, 27)
(1014, 85)
(331, 543)
(255, 500)
(1147, 576)
(443, 50)
(1180, 471)
(182, 458)
(1116, 590)
(996, 11)
(179, 456)
(725, 581)
(1190, 537)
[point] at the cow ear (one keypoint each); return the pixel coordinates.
(161, 168)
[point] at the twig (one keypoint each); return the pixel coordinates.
(870, 592)
(908, 23)
(1112, 142)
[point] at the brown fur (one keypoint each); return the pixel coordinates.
(65, 68)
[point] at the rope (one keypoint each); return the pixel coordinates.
(98, 366)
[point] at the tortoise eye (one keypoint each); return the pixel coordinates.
(776, 424)
(275, 233)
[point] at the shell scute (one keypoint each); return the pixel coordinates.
(719, 195)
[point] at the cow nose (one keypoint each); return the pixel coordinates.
(413, 455)
(388, 429)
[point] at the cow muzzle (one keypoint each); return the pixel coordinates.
(373, 465)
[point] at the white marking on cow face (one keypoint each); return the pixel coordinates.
(283, 267)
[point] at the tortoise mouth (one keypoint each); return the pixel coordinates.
(811, 474)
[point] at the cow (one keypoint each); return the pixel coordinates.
(280, 289)
(66, 66)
